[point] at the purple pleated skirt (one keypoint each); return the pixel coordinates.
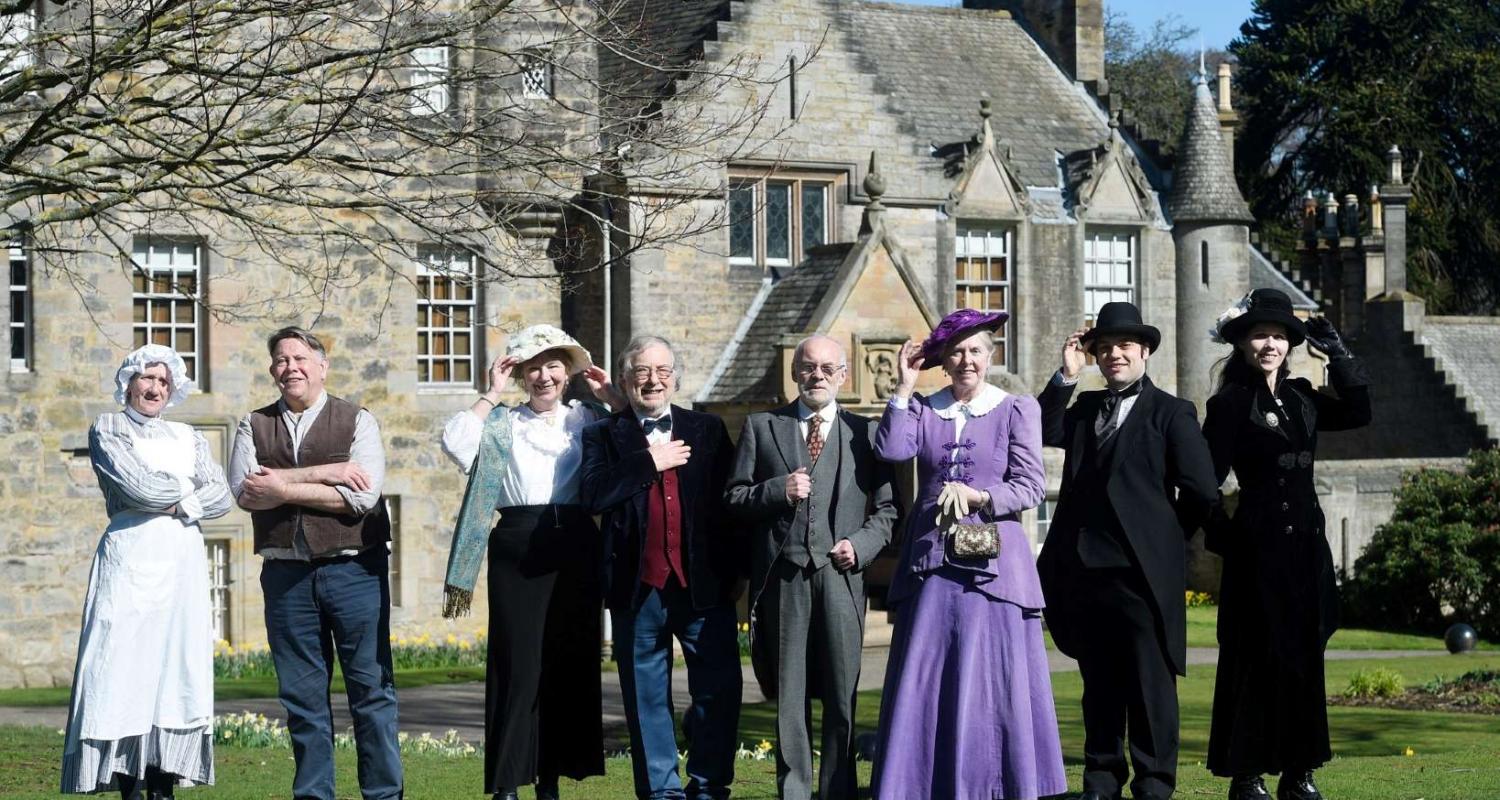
(967, 709)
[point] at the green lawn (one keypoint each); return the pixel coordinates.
(245, 688)
(1455, 755)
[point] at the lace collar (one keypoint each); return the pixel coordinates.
(946, 406)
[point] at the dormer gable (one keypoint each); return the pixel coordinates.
(988, 186)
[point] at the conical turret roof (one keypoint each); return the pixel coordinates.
(1203, 185)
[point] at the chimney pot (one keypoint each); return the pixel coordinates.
(1224, 74)
(1393, 159)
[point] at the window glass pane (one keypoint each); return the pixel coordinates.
(17, 347)
(778, 221)
(742, 222)
(814, 214)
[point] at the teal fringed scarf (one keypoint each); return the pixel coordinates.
(472, 533)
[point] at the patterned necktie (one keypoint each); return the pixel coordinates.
(814, 437)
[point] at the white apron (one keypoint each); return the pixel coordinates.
(145, 657)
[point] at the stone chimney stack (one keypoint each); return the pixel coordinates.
(1393, 199)
(1073, 30)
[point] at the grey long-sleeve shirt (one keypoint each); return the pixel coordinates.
(128, 484)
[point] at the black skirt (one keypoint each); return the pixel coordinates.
(1270, 711)
(543, 708)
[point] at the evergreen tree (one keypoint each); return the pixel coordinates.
(1327, 86)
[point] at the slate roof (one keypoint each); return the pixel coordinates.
(648, 37)
(935, 64)
(1264, 275)
(1467, 349)
(1203, 185)
(752, 373)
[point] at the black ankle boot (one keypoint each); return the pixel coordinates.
(130, 787)
(1248, 787)
(1297, 784)
(506, 794)
(547, 791)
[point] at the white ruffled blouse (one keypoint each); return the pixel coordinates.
(546, 452)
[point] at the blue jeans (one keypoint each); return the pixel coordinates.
(710, 647)
(313, 608)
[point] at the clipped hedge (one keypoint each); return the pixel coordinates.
(1438, 560)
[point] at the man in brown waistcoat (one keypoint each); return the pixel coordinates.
(309, 469)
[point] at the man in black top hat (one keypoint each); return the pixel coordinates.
(1137, 481)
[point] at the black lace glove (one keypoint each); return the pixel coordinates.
(1321, 335)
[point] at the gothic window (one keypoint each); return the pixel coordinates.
(167, 288)
(447, 318)
(984, 278)
(1109, 270)
(431, 92)
(20, 309)
(536, 76)
(774, 221)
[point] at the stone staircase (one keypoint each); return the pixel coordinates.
(1288, 269)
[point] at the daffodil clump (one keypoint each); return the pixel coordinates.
(760, 752)
(407, 652)
(1196, 599)
(257, 730)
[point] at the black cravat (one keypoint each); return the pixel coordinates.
(662, 423)
(1109, 411)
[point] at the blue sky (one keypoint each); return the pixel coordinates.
(1218, 20)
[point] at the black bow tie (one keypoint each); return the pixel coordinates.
(662, 423)
(1116, 395)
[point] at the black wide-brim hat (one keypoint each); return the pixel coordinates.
(1121, 319)
(1266, 305)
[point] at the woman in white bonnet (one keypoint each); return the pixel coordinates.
(141, 716)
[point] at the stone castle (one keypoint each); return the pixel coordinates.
(925, 159)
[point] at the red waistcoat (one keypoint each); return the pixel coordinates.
(663, 552)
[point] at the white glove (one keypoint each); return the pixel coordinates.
(952, 502)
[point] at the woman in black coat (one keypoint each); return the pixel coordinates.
(1278, 601)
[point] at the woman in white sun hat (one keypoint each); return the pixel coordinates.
(141, 716)
(543, 712)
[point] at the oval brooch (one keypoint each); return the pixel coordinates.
(1271, 419)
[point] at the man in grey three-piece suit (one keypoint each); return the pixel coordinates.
(821, 509)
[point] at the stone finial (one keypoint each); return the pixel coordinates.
(984, 108)
(1393, 161)
(1224, 75)
(874, 186)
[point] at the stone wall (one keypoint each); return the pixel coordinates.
(49, 495)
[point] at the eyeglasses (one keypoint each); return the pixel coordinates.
(643, 374)
(826, 370)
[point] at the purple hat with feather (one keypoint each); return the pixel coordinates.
(955, 327)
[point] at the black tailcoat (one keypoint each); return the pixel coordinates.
(1160, 482)
(616, 474)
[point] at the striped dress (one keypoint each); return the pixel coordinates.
(143, 686)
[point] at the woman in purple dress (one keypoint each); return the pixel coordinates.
(967, 709)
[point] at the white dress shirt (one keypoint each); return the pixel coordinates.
(546, 452)
(1126, 403)
(656, 436)
(829, 413)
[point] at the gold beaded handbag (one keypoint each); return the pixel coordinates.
(979, 540)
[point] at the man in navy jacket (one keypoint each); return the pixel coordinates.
(656, 473)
